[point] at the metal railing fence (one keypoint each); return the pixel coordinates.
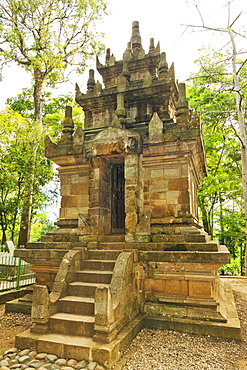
(14, 272)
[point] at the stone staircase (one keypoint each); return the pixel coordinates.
(75, 314)
(93, 311)
(71, 327)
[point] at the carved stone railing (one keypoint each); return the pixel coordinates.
(117, 305)
(44, 303)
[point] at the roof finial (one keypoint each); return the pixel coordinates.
(67, 125)
(91, 81)
(151, 46)
(163, 66)
(108, 55)
(136, 37)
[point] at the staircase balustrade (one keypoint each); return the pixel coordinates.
(117, 305)
(44, 303)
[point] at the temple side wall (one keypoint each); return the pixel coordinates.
(170, 182)
(74, 191)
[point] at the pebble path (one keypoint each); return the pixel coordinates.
(14, 359)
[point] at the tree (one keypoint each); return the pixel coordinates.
(53, 110)
(21, 108)
(220, 194)
(20, 138)
(234, 68)
(46, 37)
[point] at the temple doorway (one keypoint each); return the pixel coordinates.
(117, 199)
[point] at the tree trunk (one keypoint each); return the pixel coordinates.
(4, 236)
(25, 226)
(242, 132)
(222, 229)
(205, 217)
(15, 213)
(3, 228)
(39, 78)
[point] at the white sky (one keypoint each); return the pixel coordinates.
(164, 20)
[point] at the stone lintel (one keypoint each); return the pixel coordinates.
(217, 258)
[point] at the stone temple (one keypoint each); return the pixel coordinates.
(129, 251)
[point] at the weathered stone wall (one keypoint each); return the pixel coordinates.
(132, 192)
(181, 281)
(74, 191)
(99, 196)
(170, 182)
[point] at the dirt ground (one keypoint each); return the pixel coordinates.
(239, 287)
(13, 323)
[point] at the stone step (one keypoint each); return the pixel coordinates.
(111, 245)
(98, 265)
(79, 288)
(96, 276)
(59, 237)
(113, 238)
(70, 324)
(40, 254)
(207, 246)
(176, 310)
(188, 301)
(73, 346)
(191, 230)
(55, 245)
(212, 246)
(195, 238)
(168, 238)
(78, 347)
(97, 254)
(76, 305)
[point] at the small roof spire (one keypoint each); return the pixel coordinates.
(67, 125)
(136, 37)
(91, 81)
(108, 55)
(163, 66)
(151, 46)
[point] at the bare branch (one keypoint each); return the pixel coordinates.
(236, 133)
(209, 28)
(241, 66)
(181, 36)
(230, 26)
(200, 15)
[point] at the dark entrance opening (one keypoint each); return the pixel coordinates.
(117, 203)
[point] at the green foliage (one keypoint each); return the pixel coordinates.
(40, 226)
(231, 269)
(53, 110)
(27, 150)
(50, 35)
(220, 195)
(49, 38)
(21, 155)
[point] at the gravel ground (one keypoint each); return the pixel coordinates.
(12, 319)
(161, 350)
